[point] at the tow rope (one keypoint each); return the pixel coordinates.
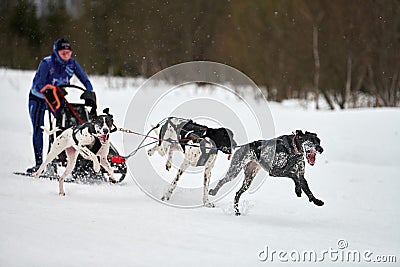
(169, 140)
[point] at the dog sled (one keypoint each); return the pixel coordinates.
(63, 115)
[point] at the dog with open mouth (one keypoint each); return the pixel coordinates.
(91, 140)
(281, 157)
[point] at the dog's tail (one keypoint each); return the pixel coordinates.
(163, 125)
(155, 129)
(50, 132)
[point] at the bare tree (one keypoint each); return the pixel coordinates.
(315, 17)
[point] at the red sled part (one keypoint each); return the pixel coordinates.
(117, 159)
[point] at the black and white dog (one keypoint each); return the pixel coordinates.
(281, 157)
(90, 139)
(199, 144)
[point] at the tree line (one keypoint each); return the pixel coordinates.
(346, 52)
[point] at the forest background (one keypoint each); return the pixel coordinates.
(345, 53)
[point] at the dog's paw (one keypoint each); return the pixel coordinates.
(236, 208)
(209, 205)
(212, 192)
(61, 194)
(168, 166)
(96, 167)
(298, 191)
(318, 202)
(165, 198)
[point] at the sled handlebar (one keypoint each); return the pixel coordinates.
(73, 86)
(88, 96)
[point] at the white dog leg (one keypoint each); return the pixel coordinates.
(57, 147)
(152, 150)
(207, 178)
(72, 155)
(155, 148)
(172, 187)
(169, 160)
(87, 154)
(107, 167)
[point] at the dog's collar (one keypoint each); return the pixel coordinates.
(96, 145)
(74, 137)
(296, 150)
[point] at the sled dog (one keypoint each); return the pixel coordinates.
(200, 145)
(91, 140)
(281, 157)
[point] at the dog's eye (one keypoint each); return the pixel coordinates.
(95, 121)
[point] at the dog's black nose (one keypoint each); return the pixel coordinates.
(105, 131)
(320, 149)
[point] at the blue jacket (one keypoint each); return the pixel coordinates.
(53, 70)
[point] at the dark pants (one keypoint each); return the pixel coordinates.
(37, 108)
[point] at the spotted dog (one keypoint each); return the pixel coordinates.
(90, 139)
(199, 144)
(281, 157)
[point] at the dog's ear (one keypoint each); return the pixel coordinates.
(299, 133)
(91, 129)
(314, 134)
(107, 112)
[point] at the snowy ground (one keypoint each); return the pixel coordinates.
(103, 225)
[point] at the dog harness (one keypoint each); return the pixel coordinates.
(205, 153)
(189, 130)
(97, 144)
(256, 148)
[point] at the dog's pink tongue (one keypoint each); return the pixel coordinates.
(311, 157)
(103, 138)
